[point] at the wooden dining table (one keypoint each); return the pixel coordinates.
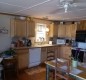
(80, 75)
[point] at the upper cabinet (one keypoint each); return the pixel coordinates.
(73, 30)
(53, 30)
(70, 30)
(30, 28)
(61, 30)
(82, 25)
(20, 27)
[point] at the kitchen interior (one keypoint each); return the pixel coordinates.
(28, 32)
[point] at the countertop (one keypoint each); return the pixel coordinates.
(39, 46)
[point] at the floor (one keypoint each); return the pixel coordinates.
(36, 73)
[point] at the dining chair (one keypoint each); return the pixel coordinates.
(62, 69)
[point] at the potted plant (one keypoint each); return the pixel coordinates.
(8, 53)
(75, 58)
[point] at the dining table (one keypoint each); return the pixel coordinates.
(78, 73)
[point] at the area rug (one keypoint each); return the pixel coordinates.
(37, 73)
(35, 70)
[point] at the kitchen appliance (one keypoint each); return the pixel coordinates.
(29, 43)
(60, 41)
(81, 45)
(26, 41)
(34, 57)
(81, 36)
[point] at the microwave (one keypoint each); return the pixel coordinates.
(60, 41)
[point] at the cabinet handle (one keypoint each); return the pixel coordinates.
(50, 52)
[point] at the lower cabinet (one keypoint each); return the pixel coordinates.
(22, 55)
(43, 54)
(44, 51)
(30, 57)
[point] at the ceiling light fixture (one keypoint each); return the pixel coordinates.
(66, 5)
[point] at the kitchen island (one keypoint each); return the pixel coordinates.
(37, 54)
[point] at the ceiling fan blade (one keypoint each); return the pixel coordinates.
(57, 10)
(79, 4)
(79, 1)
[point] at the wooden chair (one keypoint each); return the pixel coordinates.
(62, 69)
(10, 69)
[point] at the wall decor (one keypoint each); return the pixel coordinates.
(3, 30)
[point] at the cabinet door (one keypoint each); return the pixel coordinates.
(82, 25)
(73, 30)
(53, 30)
(30, 28)
(61, 30)
(43, 54)
(22, 58)
(20, 28)
(68, 28)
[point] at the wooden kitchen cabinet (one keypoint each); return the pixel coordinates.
(43, 54)
(70, 30)
(45, 50)
(22, 56)
(73, 31)
(61, 30)
(30, 28)
(82, 25)
(20, 27)
(53, 29)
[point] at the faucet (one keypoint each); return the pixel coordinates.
(41, 40)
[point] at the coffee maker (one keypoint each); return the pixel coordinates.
(29, 43)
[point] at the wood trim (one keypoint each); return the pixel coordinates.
(11, 14)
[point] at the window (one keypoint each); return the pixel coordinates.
(40, 32)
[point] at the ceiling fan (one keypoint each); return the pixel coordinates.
(66, 4)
